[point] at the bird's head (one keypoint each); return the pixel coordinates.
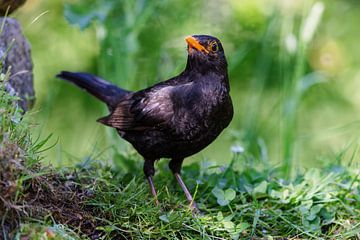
(205, 53)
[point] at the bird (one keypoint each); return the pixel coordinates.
(172, 119)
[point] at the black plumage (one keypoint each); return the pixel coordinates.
(172, 119)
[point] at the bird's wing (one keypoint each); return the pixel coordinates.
(145, 109)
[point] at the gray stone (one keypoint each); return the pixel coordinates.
(18, 60)
(11, 4)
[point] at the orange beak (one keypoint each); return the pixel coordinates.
(194, 44)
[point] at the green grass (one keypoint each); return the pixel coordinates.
(238, 201)
(242, 200)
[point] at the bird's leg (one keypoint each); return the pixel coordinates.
(187, 193)
(175, 166)
(149, 172)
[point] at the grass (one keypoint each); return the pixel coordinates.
(242, 200)
(243, 204)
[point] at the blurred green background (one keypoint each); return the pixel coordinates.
(293, 65)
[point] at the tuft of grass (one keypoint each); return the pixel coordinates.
(239, 201)
(26, 188)
(42, 231)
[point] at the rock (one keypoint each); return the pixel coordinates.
(18, 58)
(13, 4)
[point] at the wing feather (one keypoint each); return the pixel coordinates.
(143, 110)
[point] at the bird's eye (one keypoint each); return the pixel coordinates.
(214, 47)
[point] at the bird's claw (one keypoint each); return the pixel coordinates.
(195, 210)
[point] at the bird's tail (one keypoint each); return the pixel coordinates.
(101, 89)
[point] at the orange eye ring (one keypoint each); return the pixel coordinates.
(214, 47)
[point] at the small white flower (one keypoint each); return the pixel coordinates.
(237, 149)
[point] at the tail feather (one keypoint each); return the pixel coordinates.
(101, 89)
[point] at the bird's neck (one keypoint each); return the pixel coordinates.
(205, 67)
(220, 77)
(195, 68)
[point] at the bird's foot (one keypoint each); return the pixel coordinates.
(157, 203)
(195, 210)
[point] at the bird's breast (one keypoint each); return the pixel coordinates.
(205, 115)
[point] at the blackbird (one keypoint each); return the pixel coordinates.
(172, 119)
